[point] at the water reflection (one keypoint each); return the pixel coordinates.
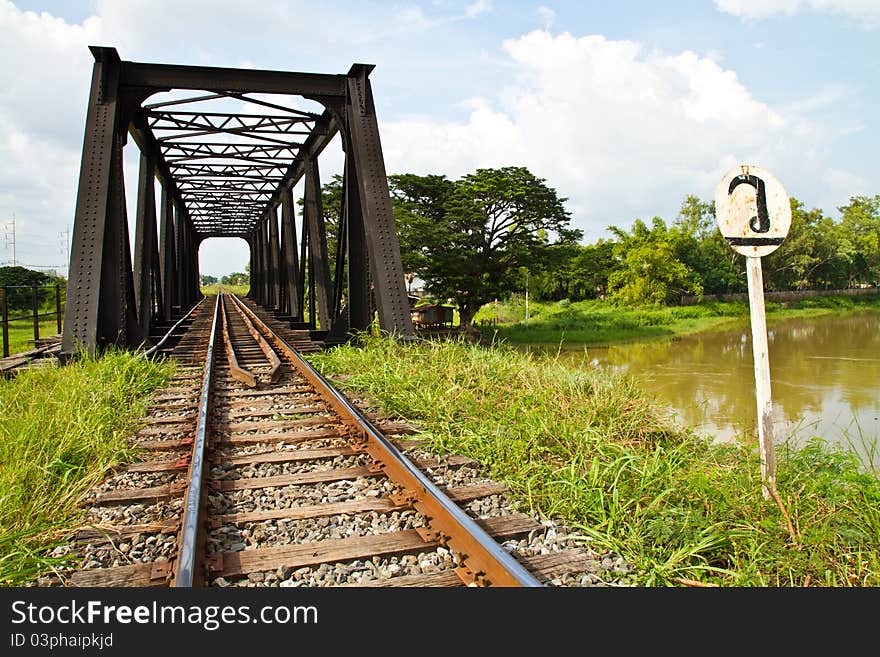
(825, 378)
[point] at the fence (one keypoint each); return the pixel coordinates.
(15, 291)
(784, 296)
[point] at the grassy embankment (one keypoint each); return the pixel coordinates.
(590, 449)
(21, 333)
(61, 431)
(597, 323)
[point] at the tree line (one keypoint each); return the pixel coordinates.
(478, 238)
(18, 282)
(660, 262)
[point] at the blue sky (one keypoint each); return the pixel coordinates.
(624, 107)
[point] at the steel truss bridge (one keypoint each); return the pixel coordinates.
(226, 147)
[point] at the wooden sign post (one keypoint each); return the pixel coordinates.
(754, 214)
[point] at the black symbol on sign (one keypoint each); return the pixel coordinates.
(761, 223)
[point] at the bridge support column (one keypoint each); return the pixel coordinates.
(146, 256)
(180, 254)
(274, 261)
(100, 307)
(166, 249)
(371, 187)
(319, 270)
(265, 263)
(290, 293)
(360, 306)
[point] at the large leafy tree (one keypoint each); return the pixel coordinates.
(419, 204)
(470, 239)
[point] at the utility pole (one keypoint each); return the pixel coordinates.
(527, 297)
(65, 247)
(6, 227)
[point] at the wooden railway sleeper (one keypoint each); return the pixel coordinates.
(474, 548)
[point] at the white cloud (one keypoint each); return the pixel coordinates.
(618, 129)
(866, 11)
(621, 130)
(41, 137)
(477, 8)
(547, 16)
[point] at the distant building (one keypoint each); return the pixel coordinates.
(432, 316)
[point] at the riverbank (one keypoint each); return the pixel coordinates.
(599, 324)
(590, 449)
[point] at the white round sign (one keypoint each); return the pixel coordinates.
(752, 210)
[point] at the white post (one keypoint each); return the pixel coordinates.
(761, 356)
(527, 297)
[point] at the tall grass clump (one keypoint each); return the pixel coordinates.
(61, 431)
(589, 448)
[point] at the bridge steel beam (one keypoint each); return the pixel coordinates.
(319, 262)
(100, 307)
(289, 259)
(146, 256)
(166, 249)
(225, 175)
(380, 233)
(274, 260)
(359, 306)
(265, 263)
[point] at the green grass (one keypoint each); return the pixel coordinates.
(588, 448)
(597, 323)
(62, 430)
(212, 290)
(21, 333)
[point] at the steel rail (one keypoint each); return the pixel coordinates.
(238, 372)
(487, 562)
(149, 352)
(271, 356)
(187, 557)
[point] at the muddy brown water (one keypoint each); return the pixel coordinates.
(824, 371)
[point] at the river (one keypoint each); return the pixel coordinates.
(824, 371)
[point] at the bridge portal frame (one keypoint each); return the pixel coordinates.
(111, 300)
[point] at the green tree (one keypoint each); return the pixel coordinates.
(580, 271)
(860, 224)
(236, 278)
(649, 271)
(699, 245)
(808, 254)
(419, 205)
(469, 241)
(17, 279)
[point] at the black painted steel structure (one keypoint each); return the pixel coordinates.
(228, 173)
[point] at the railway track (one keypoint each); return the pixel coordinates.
(44, 355)
(258, 472)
